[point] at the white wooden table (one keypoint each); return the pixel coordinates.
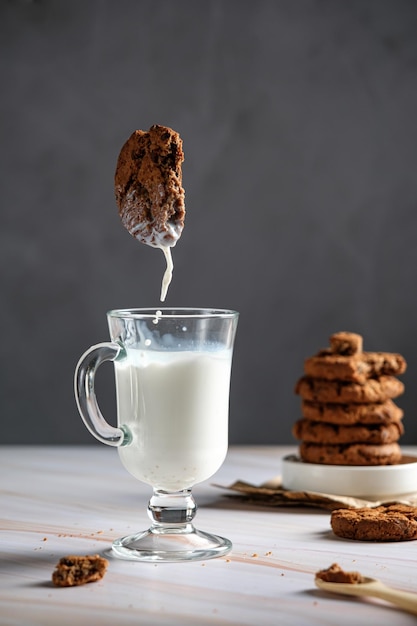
(56, 501)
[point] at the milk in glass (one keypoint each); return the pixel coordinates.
(175, 405)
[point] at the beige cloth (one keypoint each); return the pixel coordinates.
(271, 493)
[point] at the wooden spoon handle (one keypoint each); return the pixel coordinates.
(403, 599)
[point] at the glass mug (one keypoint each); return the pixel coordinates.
(172, 374)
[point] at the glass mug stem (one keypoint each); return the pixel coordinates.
(171, 510)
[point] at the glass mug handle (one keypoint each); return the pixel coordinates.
(85, 394)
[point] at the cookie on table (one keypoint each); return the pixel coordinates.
(348, 414)
(356, 368)
(396, 522)
(350, 454)
(340, 392)
(148, 186)
(74, 570)
(322, 433)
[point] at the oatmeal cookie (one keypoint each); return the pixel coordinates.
(396, 522)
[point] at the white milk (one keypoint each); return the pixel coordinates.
(167, 277)
(176, 406)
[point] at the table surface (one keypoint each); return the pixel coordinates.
(56, 501)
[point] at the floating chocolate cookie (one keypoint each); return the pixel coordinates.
(148, 186)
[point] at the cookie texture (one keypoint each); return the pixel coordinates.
(396, 522)
(346, 343)
(335, 574)
(348, 414)
(350, 454)
(148, 186)
(74, 570)
(357, 368)
(319, 432)
(337, 391)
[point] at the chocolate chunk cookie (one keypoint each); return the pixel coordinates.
(348, 414)
(357, 368)
(350, 454)
(320, 432)
(349, 417)
(148, 186)
(396, 522)
(341, 392)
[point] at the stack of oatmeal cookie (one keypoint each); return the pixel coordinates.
(349, 417)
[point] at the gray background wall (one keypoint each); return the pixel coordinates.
(299, 125)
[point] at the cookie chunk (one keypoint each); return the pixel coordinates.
(348, 414)
(357, 368)
(148, 186)
(346, 343)
(350, 454)
(78, 570)
(396, 522)
(340, 392)
(384, 364)
(320, 432)
(335, 574)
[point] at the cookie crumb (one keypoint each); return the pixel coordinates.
(335, 574)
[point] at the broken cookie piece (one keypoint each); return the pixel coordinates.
(149, 193)
(148, 186)
(345, 343)
(79, 570)
(335, 574)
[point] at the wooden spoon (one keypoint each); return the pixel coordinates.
(372, 587)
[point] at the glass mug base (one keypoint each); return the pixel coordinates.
(171, 545)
